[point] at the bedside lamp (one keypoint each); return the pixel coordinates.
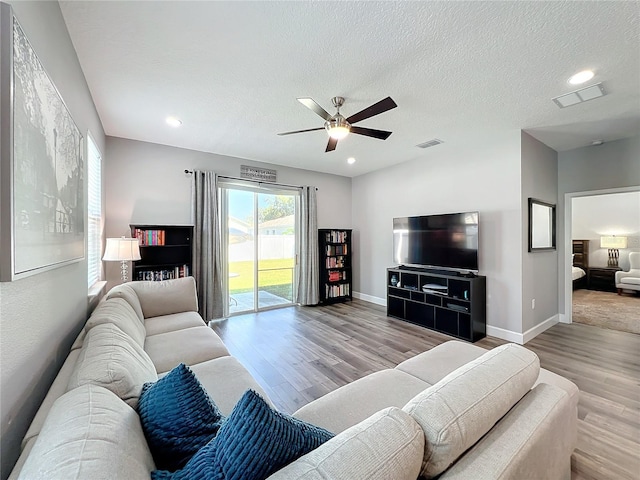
(122, 250)
(613, 243)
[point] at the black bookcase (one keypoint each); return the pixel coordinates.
(335, 265)
(166, 251)
(439, 300)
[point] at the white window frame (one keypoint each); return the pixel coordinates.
(95, 223)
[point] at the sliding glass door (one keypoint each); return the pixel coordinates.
(260, 246)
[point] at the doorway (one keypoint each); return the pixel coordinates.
(596, 220)
(260, 245)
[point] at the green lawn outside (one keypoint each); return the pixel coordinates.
(277, 282)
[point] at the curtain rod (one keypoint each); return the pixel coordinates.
(189, 172)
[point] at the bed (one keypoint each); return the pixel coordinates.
(580, 263)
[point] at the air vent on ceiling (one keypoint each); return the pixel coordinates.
(579, 96)
(430, 143)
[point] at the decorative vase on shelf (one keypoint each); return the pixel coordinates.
(394, 280)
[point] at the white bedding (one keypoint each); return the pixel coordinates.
(576, 273)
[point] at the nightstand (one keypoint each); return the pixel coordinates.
(603, 278)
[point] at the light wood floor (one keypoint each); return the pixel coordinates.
(298, 354)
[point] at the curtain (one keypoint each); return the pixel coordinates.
(308, 270)
(207, 268)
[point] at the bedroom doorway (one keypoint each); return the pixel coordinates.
(260, 242)
(592, 299)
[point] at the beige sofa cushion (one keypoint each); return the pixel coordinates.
(122, 315)
(166, 297)
(435, 364)
(77, 343)
(111, 359)
(225, 380)
(58, 388)
(352, 403)
(89, 434)
(189, 346)
(386, 446)
(534, 440)
(172, 322)
(126, 292)
(457, 411)
(24, 454)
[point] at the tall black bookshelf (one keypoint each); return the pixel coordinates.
(335, 265)
(166, 251)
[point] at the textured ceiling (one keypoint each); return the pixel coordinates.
(459, 72)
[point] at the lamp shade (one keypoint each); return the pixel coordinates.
(613, 242)
(121, 249)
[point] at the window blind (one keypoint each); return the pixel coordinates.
(94, 213)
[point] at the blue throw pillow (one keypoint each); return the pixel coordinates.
(254, 442)
(178, 417)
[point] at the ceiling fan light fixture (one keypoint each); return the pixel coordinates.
(337, 127)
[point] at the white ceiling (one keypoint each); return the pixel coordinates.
(459, 72)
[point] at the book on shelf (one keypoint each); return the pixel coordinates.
(150, 237)
(335, 276)
(336, 236)
(334, 262)
(333, 291)
(163, 274)
(336, 249)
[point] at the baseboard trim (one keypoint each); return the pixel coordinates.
(541, 327)
(370, 298)
(522, 338)
(505, 334)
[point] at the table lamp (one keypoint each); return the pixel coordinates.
(613, 243)
(122, 250)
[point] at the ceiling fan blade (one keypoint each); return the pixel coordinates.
(302, 131)
(375, 109)
(370, 132)
(312, 105)
(331, 146)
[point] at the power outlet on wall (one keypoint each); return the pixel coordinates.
(533, 304)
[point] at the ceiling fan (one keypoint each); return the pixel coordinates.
(339, 127)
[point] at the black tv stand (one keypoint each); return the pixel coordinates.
(443, 300)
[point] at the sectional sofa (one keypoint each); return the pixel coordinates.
(456, 411)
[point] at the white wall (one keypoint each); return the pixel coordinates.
(41, 315)
(146, 183)
(613, 165)
(539, 269)
(598, 215)
(449, 178)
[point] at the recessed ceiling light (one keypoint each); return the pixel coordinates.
(581, 77)
(174, 122)
(351, 160)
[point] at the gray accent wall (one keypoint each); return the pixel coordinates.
(612, 165)
(448, 178)
(146, 183)
(41, 315)
(539, 269)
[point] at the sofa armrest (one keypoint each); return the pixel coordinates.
(534, 440)
(167, 297)
(630, 273)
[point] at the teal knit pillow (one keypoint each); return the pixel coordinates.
(254, 442)
(178, 417)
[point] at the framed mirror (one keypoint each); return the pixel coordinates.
(542, 226)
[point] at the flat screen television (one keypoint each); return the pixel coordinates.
(447, 241)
